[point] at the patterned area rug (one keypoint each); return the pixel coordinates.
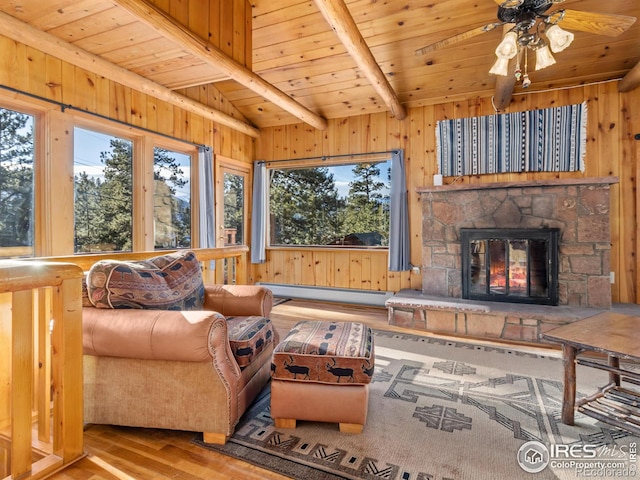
(440, 409)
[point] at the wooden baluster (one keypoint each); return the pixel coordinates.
(21, 382)
(43, 379)
(66, 345)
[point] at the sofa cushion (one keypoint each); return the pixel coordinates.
(166, 282)
(248, 337)
(325, 352)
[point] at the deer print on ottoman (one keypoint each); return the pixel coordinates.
(321, 372)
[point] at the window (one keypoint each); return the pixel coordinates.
(346, 205)
(16, 184)
(171, 199)
(103, 192)
(234, 192)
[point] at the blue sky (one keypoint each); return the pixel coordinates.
(344, 174)
(89, 144)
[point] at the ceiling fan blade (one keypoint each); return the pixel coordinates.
(600, 23)
(457, 38)
(517, 3)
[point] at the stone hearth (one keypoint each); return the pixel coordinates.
(491, 320)
(578, 207)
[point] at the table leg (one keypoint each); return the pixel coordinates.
(569, 394)
(613, 376)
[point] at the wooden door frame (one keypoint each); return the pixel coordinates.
(224, 165)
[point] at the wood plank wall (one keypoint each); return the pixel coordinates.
(611, 150)
(29, 70)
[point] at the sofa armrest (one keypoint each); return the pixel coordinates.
(169, 337)
(153, 334)
(238, 300)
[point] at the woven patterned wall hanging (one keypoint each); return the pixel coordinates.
(548, 140)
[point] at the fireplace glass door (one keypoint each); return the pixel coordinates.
(510, 265)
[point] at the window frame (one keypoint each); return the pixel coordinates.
(38, 110)
(54, 184)
(144, 143)
(37, 117)
(224, 165)
(192, 153)
(119, 135)
(315, 162)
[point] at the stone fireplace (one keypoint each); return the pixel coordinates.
(577, 210)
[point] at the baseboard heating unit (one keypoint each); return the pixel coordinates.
(328, 294)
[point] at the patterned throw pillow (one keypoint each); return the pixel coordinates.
(167, 282)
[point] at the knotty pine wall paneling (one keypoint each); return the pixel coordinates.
(611, 150)
(31, 71)
(628, 278)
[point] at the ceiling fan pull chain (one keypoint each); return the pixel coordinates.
(518, 70)
(525, 78)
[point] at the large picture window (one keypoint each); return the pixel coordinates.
(343, 205)
(103, 192)
(16, 184)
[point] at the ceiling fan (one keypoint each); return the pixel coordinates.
(528, 20)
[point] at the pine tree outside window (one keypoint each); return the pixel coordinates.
(16, 184)
(103, 192)
(233, 209)
(339, 206)
(171, 199)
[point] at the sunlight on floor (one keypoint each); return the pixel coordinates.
(312, 312)
(109, 468)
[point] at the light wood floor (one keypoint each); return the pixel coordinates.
(141, 454)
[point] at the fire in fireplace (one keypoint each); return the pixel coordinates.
(510, 265)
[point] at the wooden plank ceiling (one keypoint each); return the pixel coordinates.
(297, 64)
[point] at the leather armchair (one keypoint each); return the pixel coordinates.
(176, 369)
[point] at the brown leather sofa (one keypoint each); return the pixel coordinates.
(178, 369)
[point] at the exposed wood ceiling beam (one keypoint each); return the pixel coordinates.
(213, 56)
(24, 33)
(338, 16)
(631, 80)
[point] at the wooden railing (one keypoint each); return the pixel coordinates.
(41, 354)
(40, 368)
(219, 265)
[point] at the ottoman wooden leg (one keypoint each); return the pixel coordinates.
(284, 422)
(351, 428)
(215, 438)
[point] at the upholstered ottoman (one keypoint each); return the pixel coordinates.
(321, 372)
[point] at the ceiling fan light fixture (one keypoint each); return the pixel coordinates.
(508, 47)
(511, 3)
(544, 58)
(559, 39)
(501, 67)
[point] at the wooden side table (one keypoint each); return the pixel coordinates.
(618, 336)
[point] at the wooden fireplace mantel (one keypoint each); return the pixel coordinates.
(520, 184)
